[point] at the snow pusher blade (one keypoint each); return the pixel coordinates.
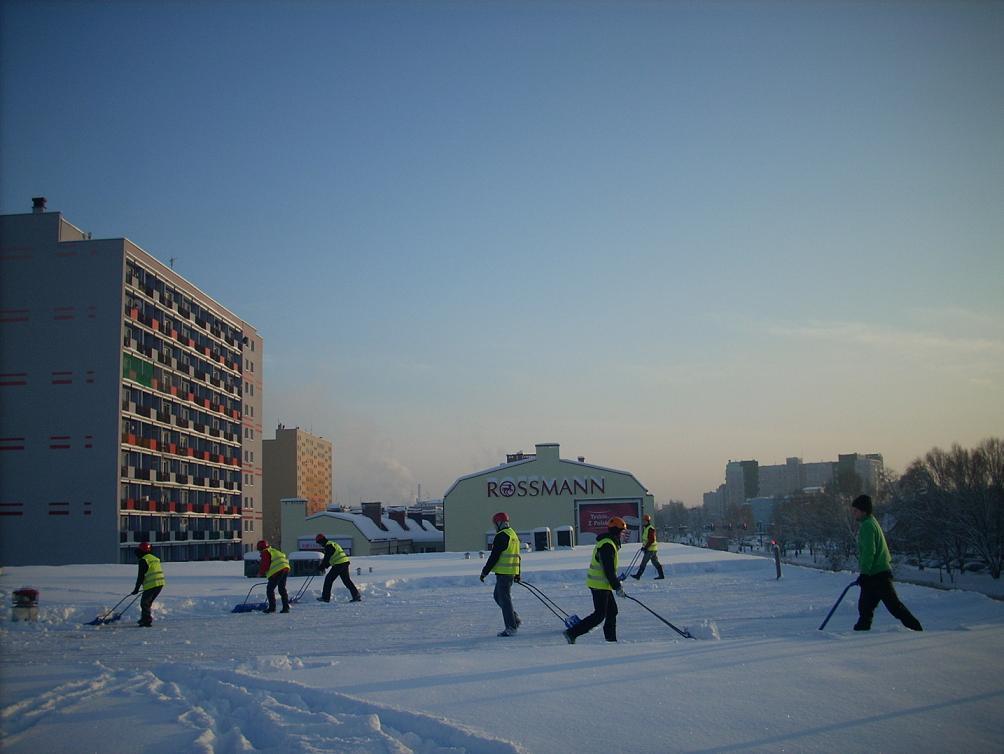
(111, 616)
(248, 607)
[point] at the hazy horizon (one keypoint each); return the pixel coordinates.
(662, 235)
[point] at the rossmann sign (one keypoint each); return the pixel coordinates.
(536, 487)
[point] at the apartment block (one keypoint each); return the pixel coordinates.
(297, 464)
(131, 404)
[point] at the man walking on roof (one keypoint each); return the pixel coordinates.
(504, 560)
(602, 582)
(335, 559)
(874, 563)
(151, 579)
(650, 547)
(274, 566)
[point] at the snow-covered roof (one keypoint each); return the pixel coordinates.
(414, 530)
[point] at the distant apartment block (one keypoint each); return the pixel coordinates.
(296, 464)
(131, 404)
(746, 480)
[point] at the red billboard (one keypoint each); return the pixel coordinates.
(592, 518)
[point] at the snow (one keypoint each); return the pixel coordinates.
(417, 667)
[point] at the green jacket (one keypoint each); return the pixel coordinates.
(873, 552)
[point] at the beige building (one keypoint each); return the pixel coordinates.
(131, 403)
(296, 464)
(551, 501)
(368, 530)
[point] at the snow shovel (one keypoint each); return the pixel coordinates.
(631, 565)
(835, 604)
(684, 633)
(568, 620)
(301, 591)
(111, 616)
(247, 607)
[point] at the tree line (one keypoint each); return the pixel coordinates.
(945, 511)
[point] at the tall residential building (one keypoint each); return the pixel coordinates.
(296, 464)
(130, 404)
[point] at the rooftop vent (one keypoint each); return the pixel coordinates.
(38, 204)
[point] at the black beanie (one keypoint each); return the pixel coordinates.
(863, 503)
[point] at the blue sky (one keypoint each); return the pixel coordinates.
(663, 235)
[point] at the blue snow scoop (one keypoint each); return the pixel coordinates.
(834, 608)
(248, 607)
(568, 620)
(684, 632)
(111, 616)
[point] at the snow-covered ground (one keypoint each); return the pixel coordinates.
(416, 666)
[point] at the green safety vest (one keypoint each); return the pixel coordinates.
(338, 556)
(644, 538)
(154, 575)
(595, 577)
(278, 562)
(508, 562)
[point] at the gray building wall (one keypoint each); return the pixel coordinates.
(59, 357)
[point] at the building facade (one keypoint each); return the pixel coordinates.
(852, 473)
(297, 464)
(541, 492)
(131, 404)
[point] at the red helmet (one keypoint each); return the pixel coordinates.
(500, 518)
(320, 539)
(262, 544)
(616, 523)
(144, 547)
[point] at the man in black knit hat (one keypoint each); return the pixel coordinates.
(874, 563)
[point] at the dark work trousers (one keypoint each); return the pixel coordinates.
(604, 610)
(503, 598)
(145, 605)
(648, 555)
(338, 571)
(277, 580)
(878, 588)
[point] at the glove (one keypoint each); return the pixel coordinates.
(135, 591)
(857, 581)
(621, 592)
(482, 578)
(516, 578)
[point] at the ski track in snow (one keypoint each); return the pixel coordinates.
(227, 711)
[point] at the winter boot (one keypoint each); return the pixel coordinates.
(636, 576)
(662, 574)
(568, 636)
(863, 625)
(324, 599)
(507, 632)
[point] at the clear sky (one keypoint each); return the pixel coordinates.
(663, 235)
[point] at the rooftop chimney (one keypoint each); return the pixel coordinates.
(38, 205)
(372, 511)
